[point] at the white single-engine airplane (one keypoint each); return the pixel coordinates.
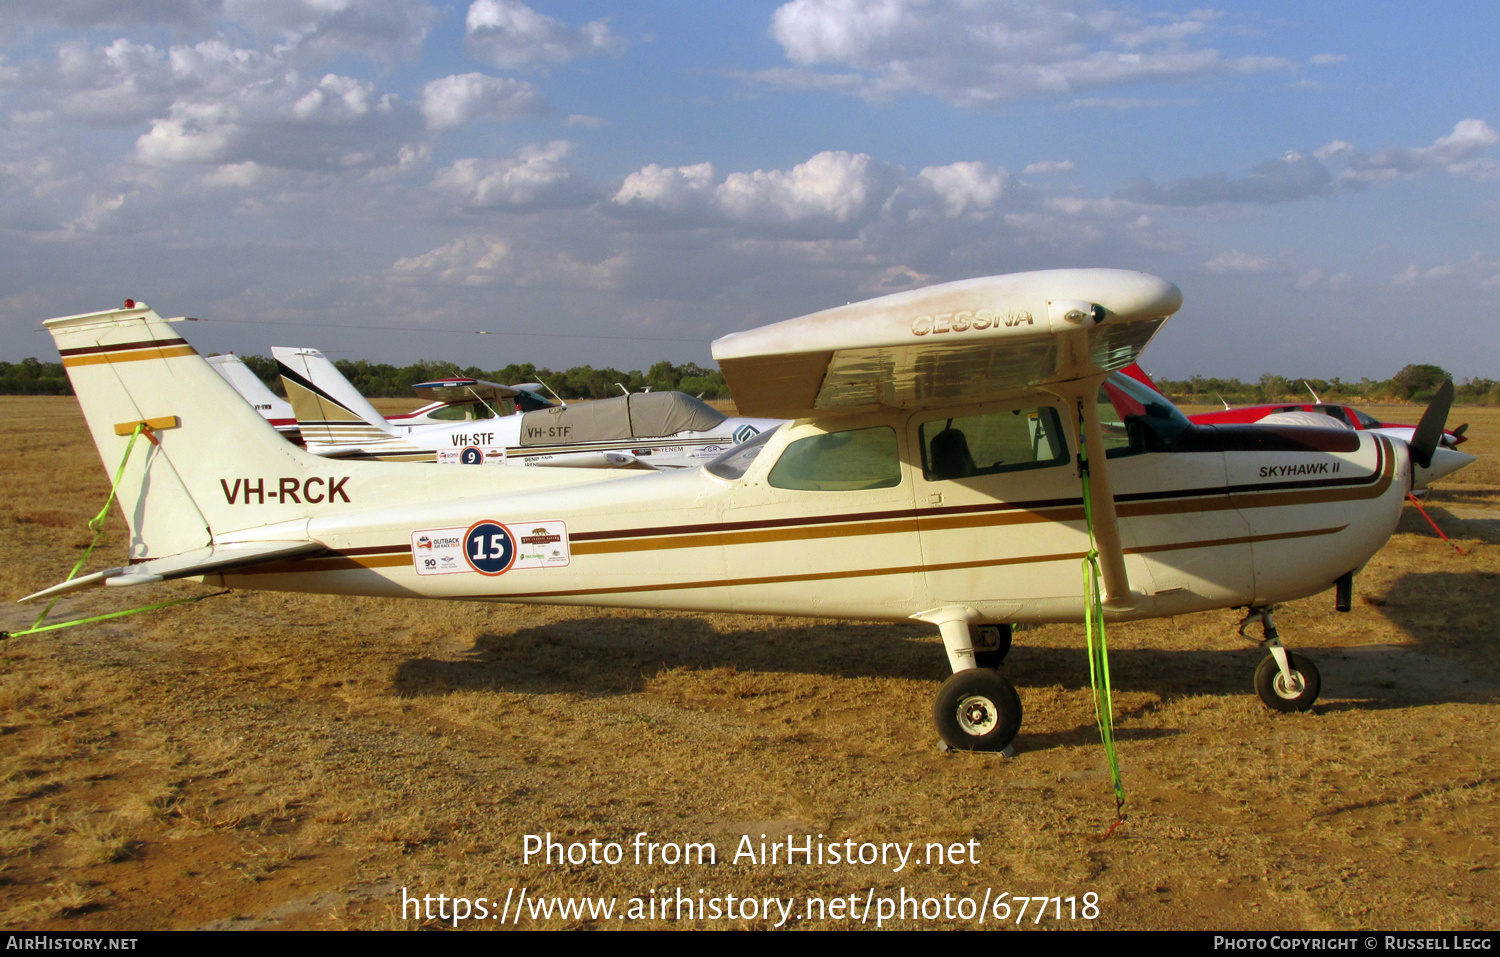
(933, 471)
(650, 430)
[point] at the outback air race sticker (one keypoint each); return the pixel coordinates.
(471, 455)
(490, 547)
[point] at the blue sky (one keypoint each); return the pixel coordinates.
(625, 182)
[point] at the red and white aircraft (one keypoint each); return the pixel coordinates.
(1445, 459)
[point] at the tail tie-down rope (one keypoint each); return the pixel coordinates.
(1093, 615)
(96, 524)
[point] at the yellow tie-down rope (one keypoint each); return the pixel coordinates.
(1104, 709)
(96, 524)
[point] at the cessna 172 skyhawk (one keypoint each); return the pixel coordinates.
(651, 430)
(933, 471)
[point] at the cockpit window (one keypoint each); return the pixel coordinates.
(1338, 413)
(1366, 421)
(1136, 418)
(1009, 441)
(733, 463)
(461, 412)
(840, 461)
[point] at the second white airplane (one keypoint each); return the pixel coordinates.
(655, 430)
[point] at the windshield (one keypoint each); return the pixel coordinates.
(732, 464)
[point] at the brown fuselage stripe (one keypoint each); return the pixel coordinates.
(953, 517)
(339, 563)
(122, 347)
(901, 522)
(887, 523)
(152, 350)
(899, 570)
(1184, 501)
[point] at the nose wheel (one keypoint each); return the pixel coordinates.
(1285, 682)
(1280, 692)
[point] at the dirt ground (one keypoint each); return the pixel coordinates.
(268, 761)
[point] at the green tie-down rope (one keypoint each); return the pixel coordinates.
(97, 525)
(1104, 706)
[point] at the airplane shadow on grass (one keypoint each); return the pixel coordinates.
(1452, 618)
(1455, 526)
(613, 655)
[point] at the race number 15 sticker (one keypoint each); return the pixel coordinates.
(489, 548)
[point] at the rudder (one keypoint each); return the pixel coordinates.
(189, 478)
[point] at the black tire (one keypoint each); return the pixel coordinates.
(977, 710)
(993, 657)
(1273, 690)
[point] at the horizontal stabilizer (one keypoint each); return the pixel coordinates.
(199, 561)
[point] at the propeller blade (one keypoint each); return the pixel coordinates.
(1461, 429)
(1424, 441)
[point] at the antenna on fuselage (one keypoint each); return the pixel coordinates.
(1314, 394)
(559, 398)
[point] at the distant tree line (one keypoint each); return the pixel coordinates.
(379, 379)
(1414, 383)
(34, 377)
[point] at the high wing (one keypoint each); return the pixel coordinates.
(1060, 330)
(955, 342)
(466, 390)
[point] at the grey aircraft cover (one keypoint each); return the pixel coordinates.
(637, 416)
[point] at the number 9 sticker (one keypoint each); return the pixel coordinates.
(489, 548)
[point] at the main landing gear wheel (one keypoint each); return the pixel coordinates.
(977, 710)
(1278, 694)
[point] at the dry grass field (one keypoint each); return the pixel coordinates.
(269, 761)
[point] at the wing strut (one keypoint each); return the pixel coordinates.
(1102, 500)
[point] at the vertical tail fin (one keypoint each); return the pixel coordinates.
(272, 407)
(329, 410)
(212, 471)
(208, 453)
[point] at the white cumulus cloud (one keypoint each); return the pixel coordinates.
(1046, 167)
(977, 53)
(535, 177)
(469, 261)
(282, 120)
(455, 100)
(670, 188)
(966, 187)
(512, 36)
(1460, 153)
(1233, 261)
(831, 185)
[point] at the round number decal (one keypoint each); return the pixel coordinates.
(489, 548)
(471, 455)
